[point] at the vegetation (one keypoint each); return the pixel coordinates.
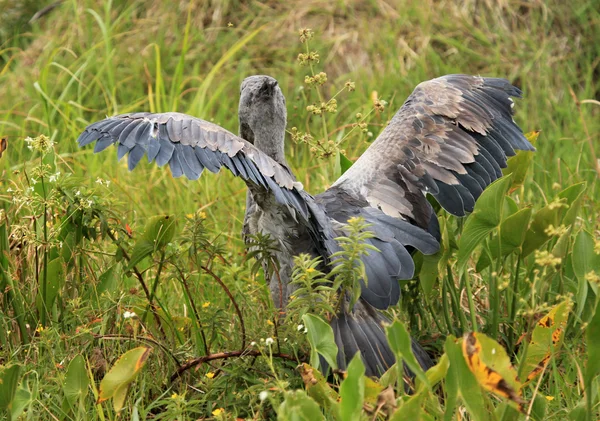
(114, 282)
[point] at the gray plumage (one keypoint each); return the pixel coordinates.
(450, 139)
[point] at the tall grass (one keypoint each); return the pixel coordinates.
(87, 59)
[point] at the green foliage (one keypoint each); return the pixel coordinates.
(320, 337)
(82, 281)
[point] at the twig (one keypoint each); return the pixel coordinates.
(140, 278)
(194, 309)
(147, 339)
(223, 356)
(237, 308)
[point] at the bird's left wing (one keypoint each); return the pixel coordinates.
(189, 145)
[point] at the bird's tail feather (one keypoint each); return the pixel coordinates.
(362, 330)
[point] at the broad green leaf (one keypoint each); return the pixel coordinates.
(345, 163)
(546, 339)
(160, 230)
(488, 207)
(511, 238)
(21, 400)
(352, 390)
(116, 382)
(485, 218)
(562, 210)
(55, 279)
(401, 344)
(9, 379)
(429, 272)
(410, 408)
(513, 229)
(592, 335)
(519, 164)
(108, 280)
(76, 381)
(584, 260)
(436, 373)
(468, 387)
(321, 339)
(318, 389)
(142, 249)
(297, 406)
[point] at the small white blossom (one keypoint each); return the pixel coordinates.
(269, 341)
(252, 343)
(300, 328)
(78, 193)
(129, 315)
(54, 177)
(99, 181)
(9, 190)
(263, 395)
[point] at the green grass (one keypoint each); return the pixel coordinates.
(87, 59)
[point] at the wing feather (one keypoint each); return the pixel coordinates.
(457, 130)
(189, 145)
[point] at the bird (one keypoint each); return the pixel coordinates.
(449, 140)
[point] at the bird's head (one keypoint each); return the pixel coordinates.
(262, 111)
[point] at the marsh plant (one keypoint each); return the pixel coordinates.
(131, 295)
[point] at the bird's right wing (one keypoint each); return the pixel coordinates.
(189, 145)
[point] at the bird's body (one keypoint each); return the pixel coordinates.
(450, 139)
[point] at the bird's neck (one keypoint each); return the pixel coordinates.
(271, 144)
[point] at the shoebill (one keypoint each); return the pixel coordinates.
(450, 139)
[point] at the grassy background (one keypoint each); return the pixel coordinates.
(87, 59)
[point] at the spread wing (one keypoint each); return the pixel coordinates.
(189, 145)
(451, 138)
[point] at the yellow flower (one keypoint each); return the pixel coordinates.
(39, 329)
(218, 412)
(269, 322)
(174, 396)
(550, 398)
(206, 304)
(202, 215)
(190, 215)
(310, 270)
(210, 374)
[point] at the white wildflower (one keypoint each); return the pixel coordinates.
(129, 315)
(263, 395)
(269, 341)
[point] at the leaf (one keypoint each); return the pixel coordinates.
(491, 366)
(142, 249)
(116, 382)
(401, 344)
(55, 279)
(562, 210)
(410, 408)
(76, 381)
(318, 389)
(160, 230)
(592, 335)
(297, 406)
(519, 164)
(9, 379)
(545, 340)
(21, 400)
(584, 259)
(321, 339)
(345, 163)
(468, 387)
(428, 274)
(352, 390)
(485, 218)
(107, 281)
